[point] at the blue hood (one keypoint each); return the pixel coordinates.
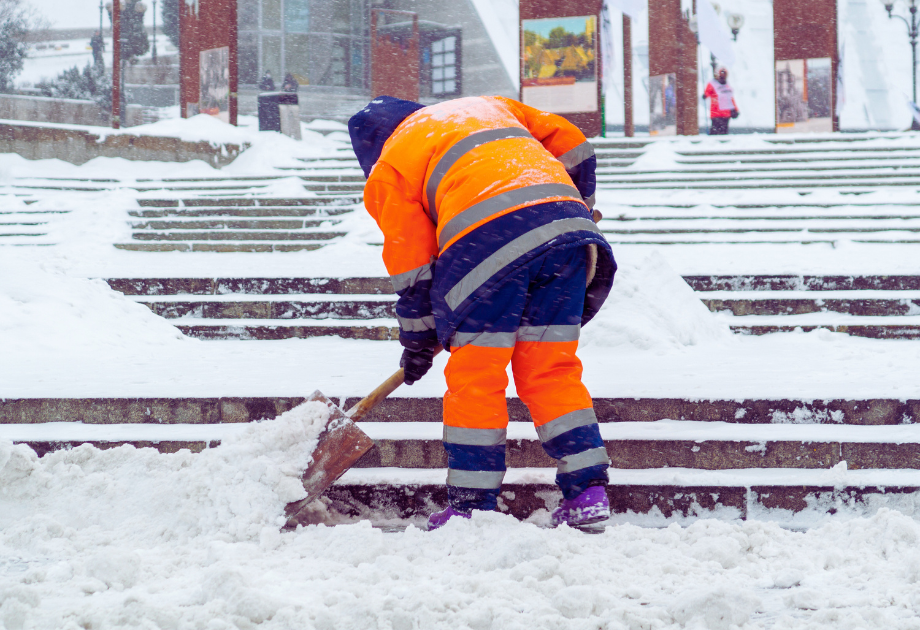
(372, 126)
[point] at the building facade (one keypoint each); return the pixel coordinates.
(325, 45)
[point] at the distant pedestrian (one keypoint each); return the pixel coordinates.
(721, 103)
(267, 84)
(290, 83)
(98, 47)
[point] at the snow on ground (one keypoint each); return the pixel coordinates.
(125, 537)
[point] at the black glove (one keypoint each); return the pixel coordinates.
(416, 363)
(735, 113)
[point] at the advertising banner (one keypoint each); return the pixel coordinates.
(559, 72)
(662, 99)
(214, 91)
(804, 96)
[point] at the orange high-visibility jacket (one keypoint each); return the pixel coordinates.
(481, 185)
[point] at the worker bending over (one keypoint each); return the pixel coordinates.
(485, 207)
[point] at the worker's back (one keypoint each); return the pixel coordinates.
(464, 152)
(483, 185)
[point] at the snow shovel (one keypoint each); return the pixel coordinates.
(340, 445)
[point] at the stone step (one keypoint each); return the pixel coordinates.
(871, 331)
(219, 247)
(11, 232)
(868, 307)
(753, 238)
(797, 185)
(382, 286)
(629, 445)
(286, 307)
(333, 210)
(380, 329)
(249, 235)
(386, 329)
(901, 169)
(237, 202)
(746, 220)
(639, 204)
(815, 227)
(342, 157)
(614, 165)
(227, 410)
(252, 286)
(275, 309)
(759, 175)
(349, 178)
(332, 188)
(879, 156)
(233, 224)
(388, 494)
(808, 151)
(787, 282)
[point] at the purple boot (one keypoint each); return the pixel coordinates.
(591, 506)
(438, 519)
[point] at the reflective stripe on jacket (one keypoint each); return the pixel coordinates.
(481, 185)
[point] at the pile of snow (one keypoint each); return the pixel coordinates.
(143, 497)
(45, 311)
(196, 545)
(651, 307)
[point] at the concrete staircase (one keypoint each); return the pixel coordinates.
(27, 226)
(240, 224)
(885, 307)
(672, 457)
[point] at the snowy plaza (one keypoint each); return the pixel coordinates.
(191, 246)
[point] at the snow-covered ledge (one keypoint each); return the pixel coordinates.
(166, 141)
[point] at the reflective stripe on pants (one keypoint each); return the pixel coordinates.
(533, 314)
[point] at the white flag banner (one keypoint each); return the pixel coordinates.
(841, 91)
(607, 55)
(712, 35)
(632, 8)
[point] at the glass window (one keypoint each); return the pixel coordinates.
(271, 15)
(297, 16)
(271, 57)
(247, 15)
(248, 57)
(297, 56)
(444, 66)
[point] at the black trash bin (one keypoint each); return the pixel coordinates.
(269, 109)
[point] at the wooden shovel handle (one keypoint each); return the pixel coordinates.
(386, 388)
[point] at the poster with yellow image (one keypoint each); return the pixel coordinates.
(559, 64)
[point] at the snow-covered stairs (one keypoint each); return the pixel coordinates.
(856, 163)
(881, 307)
(27, 226)
(237, 224)
(669, 456)
(885, 307)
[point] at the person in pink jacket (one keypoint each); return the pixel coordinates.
(721, 103)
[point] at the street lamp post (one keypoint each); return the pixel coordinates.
(735, 22)
(912, 32)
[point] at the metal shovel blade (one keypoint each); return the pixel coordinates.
(341, 444)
